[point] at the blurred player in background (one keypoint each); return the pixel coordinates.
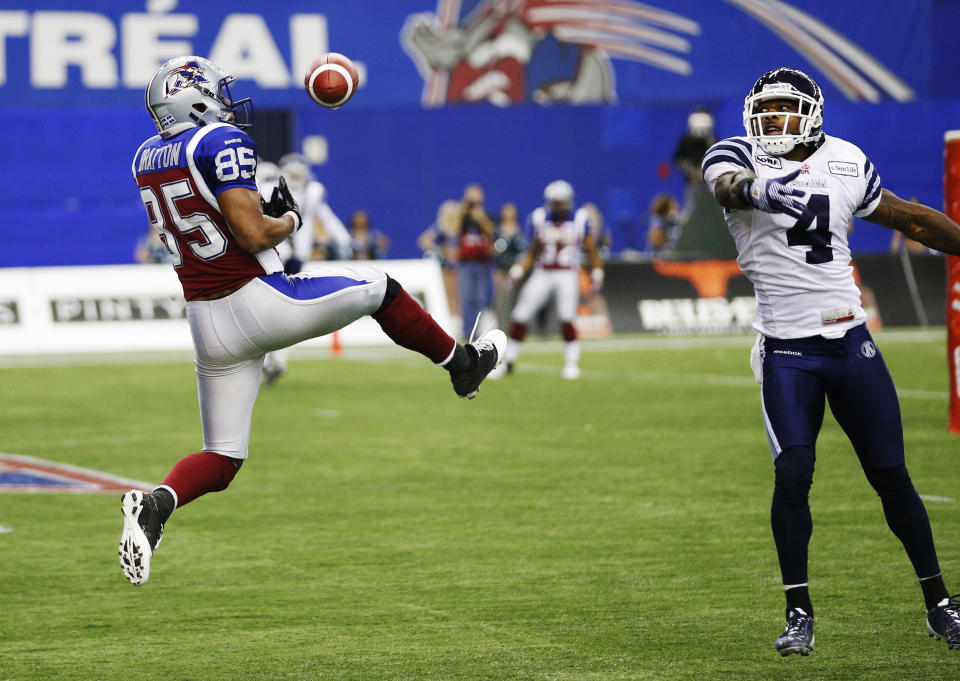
(196, 180)
(790, 192)
(322, 229)
(559, 236)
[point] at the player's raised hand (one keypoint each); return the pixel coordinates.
(282, 202)
(774, 196)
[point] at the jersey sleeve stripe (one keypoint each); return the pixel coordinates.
(743, 144)
(722, 158)
(723, 146)
(870, 197)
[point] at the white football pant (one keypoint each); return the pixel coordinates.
(231, 335)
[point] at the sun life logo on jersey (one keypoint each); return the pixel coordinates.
(868, 349)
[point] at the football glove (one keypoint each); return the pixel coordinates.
(773, 195)
(282, 202)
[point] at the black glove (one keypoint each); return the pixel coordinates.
(282, 202)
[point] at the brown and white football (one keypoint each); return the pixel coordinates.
(331, 80)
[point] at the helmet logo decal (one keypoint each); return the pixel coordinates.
(182, 77)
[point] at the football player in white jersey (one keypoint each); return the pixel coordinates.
(790, 192)
(196, 180)
(559, 237)
(311, 197)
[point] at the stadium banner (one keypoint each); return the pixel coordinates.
(713, 296)
(130, 308)
(440, 52)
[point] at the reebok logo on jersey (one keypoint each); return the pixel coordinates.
(788, 352)
(843, 168)
(232, 141)
(769, 161)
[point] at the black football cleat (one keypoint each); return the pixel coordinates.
(798, 636)
(142, 532)
(488, 350)
(943, 622)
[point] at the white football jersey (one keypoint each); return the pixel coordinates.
(562, 243)
(800, 269)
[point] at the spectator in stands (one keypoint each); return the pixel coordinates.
(509, 245)
(439, 241)
(366, 244)
(475, 235)
(664, 224)
(602, 236)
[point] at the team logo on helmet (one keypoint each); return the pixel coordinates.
(182, 77)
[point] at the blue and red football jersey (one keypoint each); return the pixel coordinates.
(180, 179)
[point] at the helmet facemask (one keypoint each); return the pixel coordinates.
(790, 85)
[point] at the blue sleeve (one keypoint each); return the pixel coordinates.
(226, 158)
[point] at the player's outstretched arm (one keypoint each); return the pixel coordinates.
(743, 189)
(921, 223)
(253, 230)
(729, 190)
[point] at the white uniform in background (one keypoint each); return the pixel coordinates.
(311, 197)
(556, 271)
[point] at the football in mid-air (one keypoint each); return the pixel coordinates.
(331, 80)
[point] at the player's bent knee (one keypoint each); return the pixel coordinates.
(794, 472)
(394, 289)
(892, 483)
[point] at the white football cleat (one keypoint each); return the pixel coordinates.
(142, 532)
(571, 372)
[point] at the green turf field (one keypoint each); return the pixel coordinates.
(611, 528)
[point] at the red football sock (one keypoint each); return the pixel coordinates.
(412, 327)
(199, 473)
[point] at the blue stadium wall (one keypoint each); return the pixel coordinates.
(71, 123)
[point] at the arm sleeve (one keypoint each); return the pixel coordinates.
(729, 155)
(226, 158)
(872, 190)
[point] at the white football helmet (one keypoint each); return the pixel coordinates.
(790, 84)
(186, 92)
(558, 200)
(558, 191)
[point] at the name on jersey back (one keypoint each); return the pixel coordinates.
(166, 156)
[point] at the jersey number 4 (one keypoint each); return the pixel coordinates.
(819, 237)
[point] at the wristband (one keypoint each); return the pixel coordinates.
(297, 220)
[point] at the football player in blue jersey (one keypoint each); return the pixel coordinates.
(197, 183)
(790, 192)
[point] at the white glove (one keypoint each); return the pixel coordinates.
(756, 359)
(515, 274)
